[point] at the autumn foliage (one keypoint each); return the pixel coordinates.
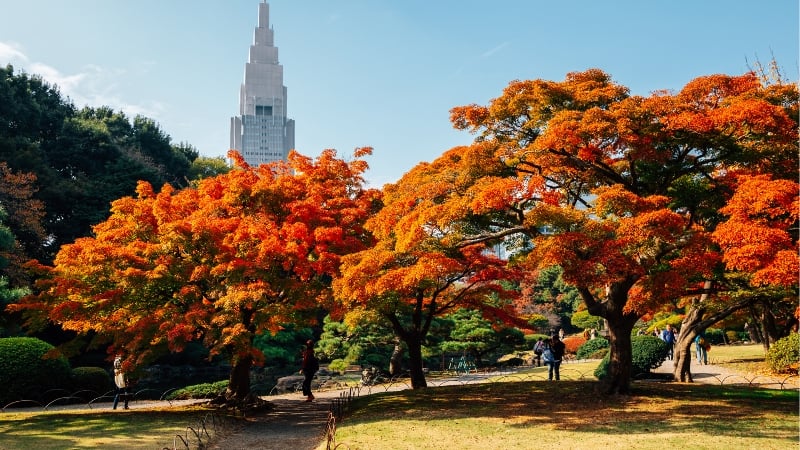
(621, 191)
(241, 254)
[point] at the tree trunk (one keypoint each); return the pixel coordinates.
(396, 361)
(690, 327)
(621, 355)
(239, 381)
(415, 363)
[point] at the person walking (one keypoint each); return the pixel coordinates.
(538, 348)
(310, 367)
(121, 381)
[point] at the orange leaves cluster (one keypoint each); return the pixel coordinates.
(756, 237)
(223, 261)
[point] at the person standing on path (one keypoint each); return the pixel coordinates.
(310, 367)
(557, 348)
(701, 348)
(121, 380)
(538, 348)
(668, 336)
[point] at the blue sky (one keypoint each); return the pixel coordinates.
(380, 73)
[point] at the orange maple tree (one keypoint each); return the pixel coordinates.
(241, 254)
(618, 190)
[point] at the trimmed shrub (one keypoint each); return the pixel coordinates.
(591, 348)
(198, 391)
(714, 336)
(25, 373)
(648, 352)
(784, 355)
(94, 379)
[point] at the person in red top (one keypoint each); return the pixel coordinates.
(310, 367)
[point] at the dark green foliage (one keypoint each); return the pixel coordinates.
(283, 349)
(83, 159)
(591, 347)
(648, 352)
(25, 373)
(784, 355)
(484, 340)
(714, 336)
(94, 379)
(205, 390)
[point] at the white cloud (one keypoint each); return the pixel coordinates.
(495, 50)
(11, 54)
(93, 86)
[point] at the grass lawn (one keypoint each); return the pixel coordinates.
(572, 415)
(132, 429)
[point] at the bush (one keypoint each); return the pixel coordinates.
(572, 344)
(783, 355)
(591, 348)
(714, 336)
(94, 379)
(204, 390)
(648, 352)
(338, 365)
(25, 373)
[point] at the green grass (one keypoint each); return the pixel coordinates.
(572, 415)
(132, 429)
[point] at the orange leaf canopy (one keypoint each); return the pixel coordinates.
(240, 254)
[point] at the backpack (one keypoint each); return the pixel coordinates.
(547, 355)
(702, 341)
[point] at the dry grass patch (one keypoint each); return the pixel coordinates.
(571, 414)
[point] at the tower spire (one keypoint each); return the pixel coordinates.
(262, 132)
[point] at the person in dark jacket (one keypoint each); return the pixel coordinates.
(310, 367)
(557, 347)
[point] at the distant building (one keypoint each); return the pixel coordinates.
(261, 132)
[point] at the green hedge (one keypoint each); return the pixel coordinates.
(94, 379)
(784, 354)
(591, 348)
(24, 372)
(648, 352)
(204, 390)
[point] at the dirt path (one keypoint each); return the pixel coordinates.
(293, 424)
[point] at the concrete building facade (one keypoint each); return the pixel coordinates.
(261, 132)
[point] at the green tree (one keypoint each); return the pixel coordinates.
(485, 340)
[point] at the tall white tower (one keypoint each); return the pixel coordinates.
(261, 132)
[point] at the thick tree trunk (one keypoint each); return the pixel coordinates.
(239, 381)
(690, 327)
(415, 363)
(621, 356)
